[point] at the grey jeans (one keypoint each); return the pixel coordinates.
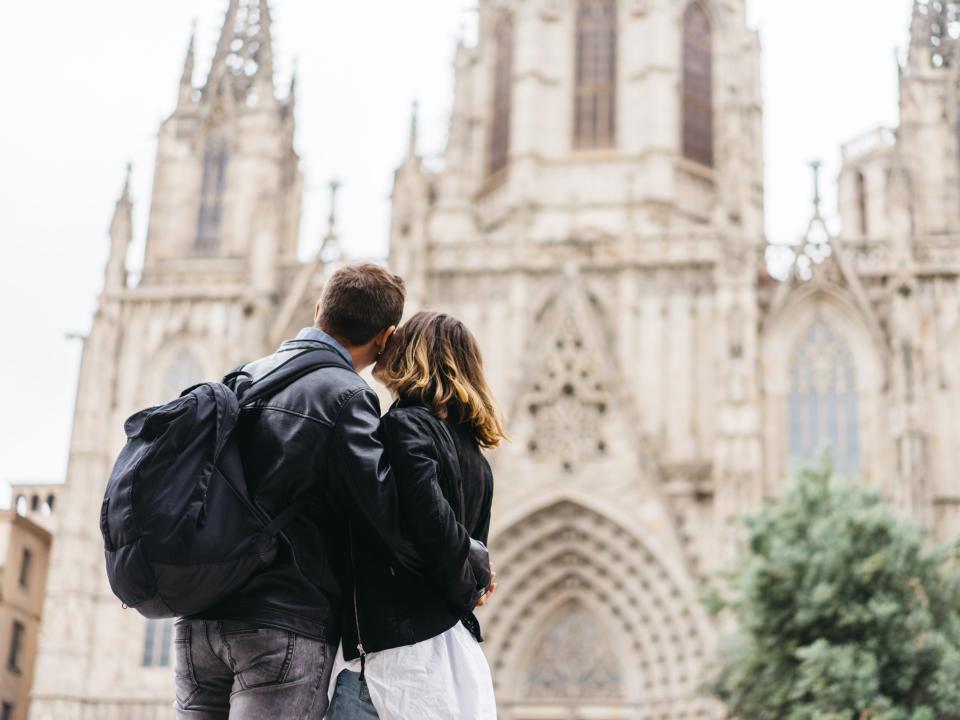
(239, 671)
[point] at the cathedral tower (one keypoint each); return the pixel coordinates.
(598, 222)
(221, 253)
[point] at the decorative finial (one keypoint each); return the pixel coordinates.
(414, 131)
(126, 182)
(187, 77)
(816, 165)
(330, 249)
(815, 246)
(293, 76)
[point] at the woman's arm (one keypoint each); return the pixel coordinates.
(416, 460)
(377, 496)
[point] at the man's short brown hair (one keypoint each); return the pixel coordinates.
(360, 301)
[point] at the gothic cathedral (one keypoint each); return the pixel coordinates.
(598, 222)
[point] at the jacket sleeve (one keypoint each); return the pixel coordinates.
(433, 522)
(359, 466)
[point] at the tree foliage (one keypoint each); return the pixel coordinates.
(842, 613)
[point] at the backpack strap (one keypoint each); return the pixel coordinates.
(280, 377)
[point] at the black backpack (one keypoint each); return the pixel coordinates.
(180, 529)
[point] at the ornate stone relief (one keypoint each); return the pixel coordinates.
(568, 396)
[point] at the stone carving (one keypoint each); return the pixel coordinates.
(574, 658)
(568, 397)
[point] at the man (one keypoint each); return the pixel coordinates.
(268, 651)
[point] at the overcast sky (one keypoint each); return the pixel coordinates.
(87, 85)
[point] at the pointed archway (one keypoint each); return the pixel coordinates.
(595, 623)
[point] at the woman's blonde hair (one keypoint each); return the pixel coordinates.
(434, 360)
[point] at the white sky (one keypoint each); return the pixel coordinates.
(87, 85)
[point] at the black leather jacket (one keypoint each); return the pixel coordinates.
(392, 606)
(319, 439)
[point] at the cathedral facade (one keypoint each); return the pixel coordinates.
(598, 222)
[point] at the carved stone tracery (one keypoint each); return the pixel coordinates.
(568, 396)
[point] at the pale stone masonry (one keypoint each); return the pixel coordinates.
(598, 222)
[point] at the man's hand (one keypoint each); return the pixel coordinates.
(491, 588)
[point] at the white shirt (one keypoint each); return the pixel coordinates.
(444, 678)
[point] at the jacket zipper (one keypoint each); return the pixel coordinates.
(356, 610)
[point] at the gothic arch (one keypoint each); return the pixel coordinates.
(566, 553)
(830, 307)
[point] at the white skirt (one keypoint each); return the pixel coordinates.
(444, 678)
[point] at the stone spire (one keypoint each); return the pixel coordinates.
(330, 250)
(121, 235)
(414, 132)
(292, 92)
(243, 61)
(816, 245)
(186, 77)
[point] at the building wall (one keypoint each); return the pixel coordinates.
(22, 591)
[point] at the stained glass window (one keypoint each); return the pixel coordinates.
(697, 86)
(157, 643)
(502, 94)
(574, 659)
(212, 186)
(595, 101)
(823, 405)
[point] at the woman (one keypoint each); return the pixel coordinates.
(405, 653)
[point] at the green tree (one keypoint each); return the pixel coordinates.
(842, 613)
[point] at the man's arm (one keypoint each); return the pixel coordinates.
(361, 469)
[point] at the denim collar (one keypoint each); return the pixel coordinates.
(312, 333)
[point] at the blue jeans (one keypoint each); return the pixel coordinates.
(351, 699)
(238, 671)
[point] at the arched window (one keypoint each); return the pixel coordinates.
(862, 203)
(157, 643)
(697, 86)
(823, 406)
(215, 159)
(502, 94)
(595, 101)
(186, 370)
(574, 659)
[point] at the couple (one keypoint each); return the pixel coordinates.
(376, 587)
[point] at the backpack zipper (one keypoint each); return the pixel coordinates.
(356, 609)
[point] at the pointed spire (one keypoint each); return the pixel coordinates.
(414, 132)
(815, 166)
(330, 251)
(243, 61)
(292, 92)
(265, 56)
(186, 77)
(121, 235)
(816, 245)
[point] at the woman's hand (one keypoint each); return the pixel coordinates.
(491, 588)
